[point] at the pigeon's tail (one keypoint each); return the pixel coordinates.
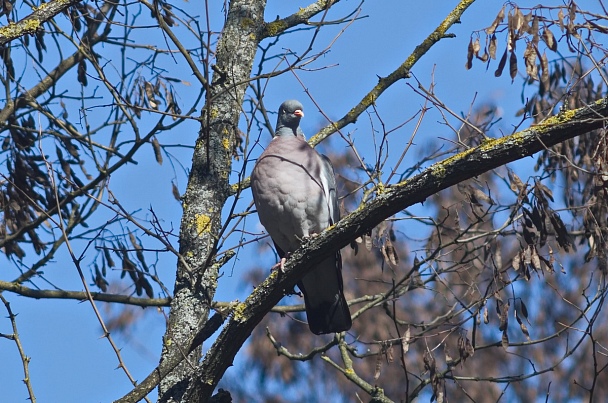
(329, 316)
(326, 308)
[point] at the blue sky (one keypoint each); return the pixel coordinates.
(70, 362)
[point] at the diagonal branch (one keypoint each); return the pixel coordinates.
(384, 83)
(34, 21)
(401, 72)
(107, 10)
(278, 26)
(465, 165)
(173, 360)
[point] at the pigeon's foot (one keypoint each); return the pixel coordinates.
(281, 264)
(308, 238)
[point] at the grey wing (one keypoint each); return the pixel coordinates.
(329, 175)
(326, 307)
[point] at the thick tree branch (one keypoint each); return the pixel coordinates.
(207, 190)
(465, 165)
(34, 21)
(170, 362)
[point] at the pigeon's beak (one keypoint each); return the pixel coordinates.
(299, 113)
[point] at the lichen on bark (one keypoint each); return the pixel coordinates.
(208, 189)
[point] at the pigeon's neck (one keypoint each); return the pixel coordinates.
(289, 131)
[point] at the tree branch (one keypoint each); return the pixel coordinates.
(19, 289)
(170, 362)
(25, 360)
(107, 10)
(206, 192)
(465, 165)
(277, 27)
(401, 72)
(81, 295)
(34, 21)
(384, 83)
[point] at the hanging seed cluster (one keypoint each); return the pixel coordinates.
(527, 30)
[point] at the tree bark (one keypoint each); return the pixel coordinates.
(207, 190)
(475, 161)
(34, 21)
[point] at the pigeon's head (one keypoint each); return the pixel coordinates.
(288, 122)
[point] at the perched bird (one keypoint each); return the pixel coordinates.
(294, 189)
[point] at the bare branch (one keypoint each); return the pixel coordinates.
(384, 83)
(34, 21)
(401, 72)
(82, 296)
(25, 360)
(279, 26)
(465, 165)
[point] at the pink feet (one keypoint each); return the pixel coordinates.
(280, 265)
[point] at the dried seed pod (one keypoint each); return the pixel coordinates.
(157, 150)
(175, 192)
(513, 66)
(499, 18)
(549, 39)
(501, 65)
(82, 73)
(492, 47)
(530, 61)
(470, 53)
(405, 341)
(505, 340)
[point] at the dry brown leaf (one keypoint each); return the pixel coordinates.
(515, 183)
(405, 341)
(449, 360)
(470, 53)
(534, 31)
(560, 19)
(378, 367)
(501, 65)
(516, 263)
(518, 19)
(549, 39)
(492, 47)
(476, 46)
(544, 73)
(157, 151)
(175, 192)
(513, 66)
(530, 61)
(499, 18)
(82, 72)
(391, 253)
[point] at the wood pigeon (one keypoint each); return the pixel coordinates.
(294, 190)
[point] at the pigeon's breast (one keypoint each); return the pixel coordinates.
(289, 197)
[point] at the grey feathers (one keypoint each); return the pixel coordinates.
(294, 189)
